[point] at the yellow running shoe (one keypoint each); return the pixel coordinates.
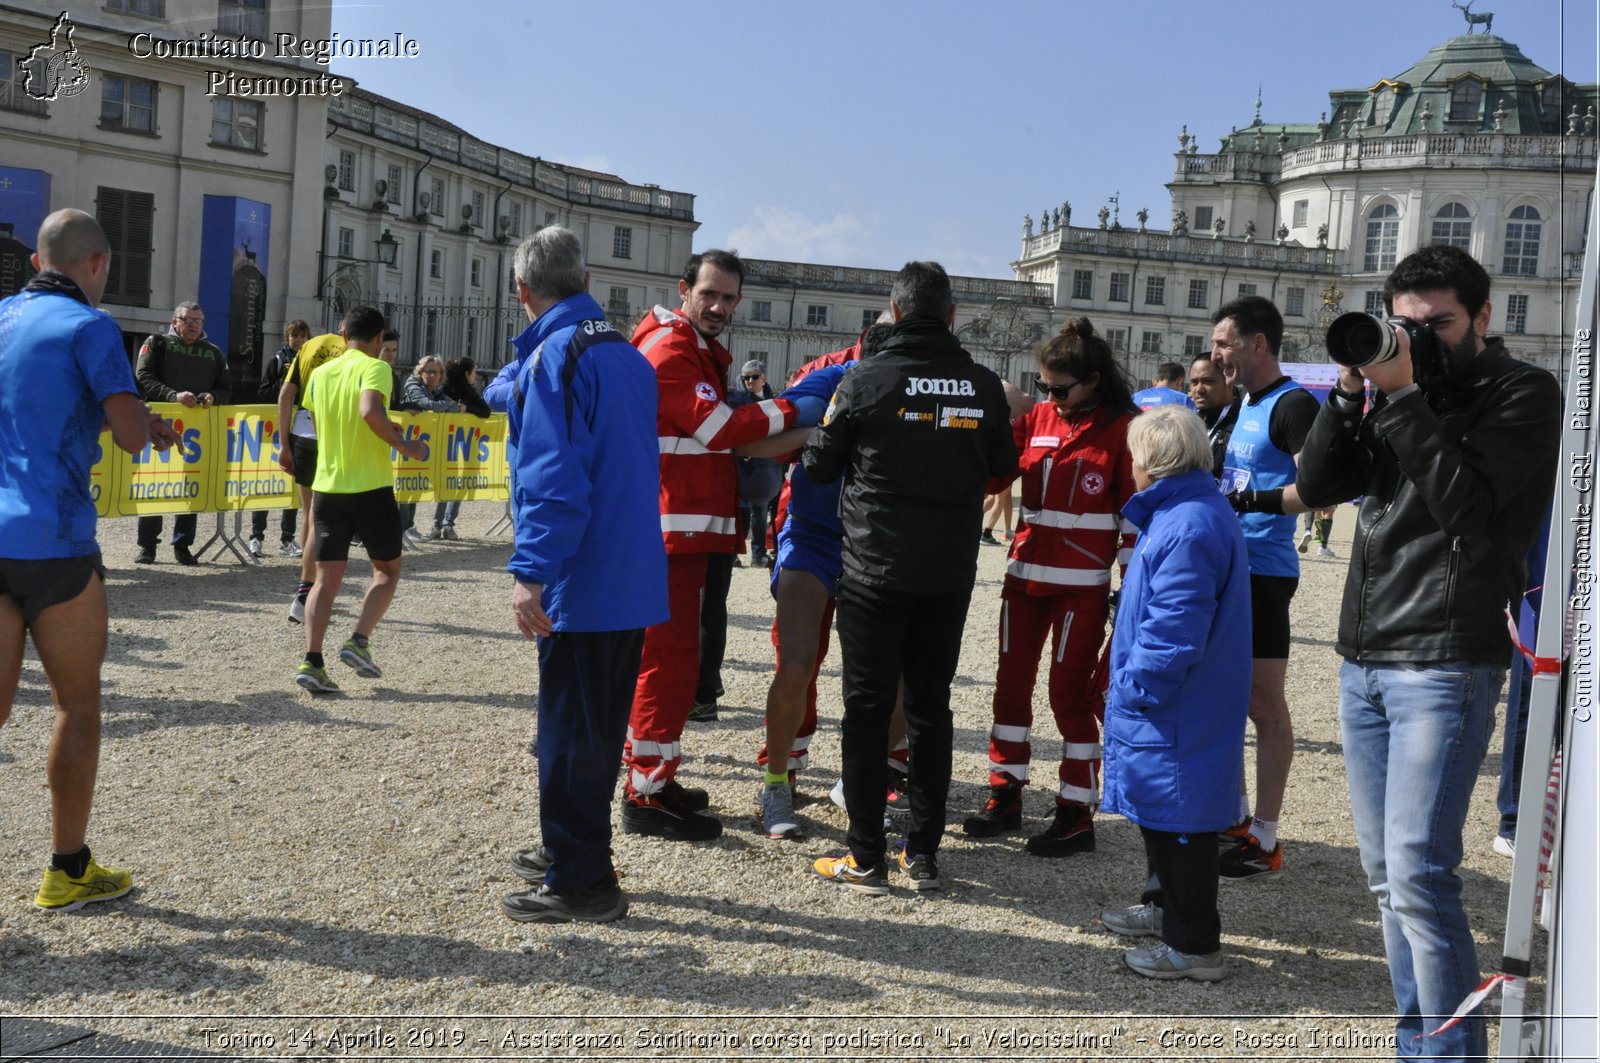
(60, 892)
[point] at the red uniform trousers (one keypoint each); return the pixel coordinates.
(669, 669)
(1076, 624)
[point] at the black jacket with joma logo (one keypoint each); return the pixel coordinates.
(917, 431)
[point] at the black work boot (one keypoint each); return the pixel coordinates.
(1001, 812)
(1070, 834)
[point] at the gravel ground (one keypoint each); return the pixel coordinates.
(299, 859)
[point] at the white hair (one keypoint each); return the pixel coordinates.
(1168, 441)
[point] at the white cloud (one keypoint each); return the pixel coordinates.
(782, 233)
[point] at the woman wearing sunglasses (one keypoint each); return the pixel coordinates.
(1076, 475)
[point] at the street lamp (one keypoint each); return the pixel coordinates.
(388, 254)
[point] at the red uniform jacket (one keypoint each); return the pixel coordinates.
(696, 430)
(1076, 475)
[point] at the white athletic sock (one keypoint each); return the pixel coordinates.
(1266, 832)
(1244, 806)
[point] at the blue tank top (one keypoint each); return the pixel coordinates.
(1253, 463)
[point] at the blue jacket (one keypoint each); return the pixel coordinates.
(1180, 661)
(584, 478)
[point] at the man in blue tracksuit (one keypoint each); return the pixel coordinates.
(585, 489)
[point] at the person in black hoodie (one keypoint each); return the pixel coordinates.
(917, 432)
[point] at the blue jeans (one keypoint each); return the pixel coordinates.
(1513, 744)
(1414, 738)
(445, 513)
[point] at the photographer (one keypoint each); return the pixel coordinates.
(1456, 460)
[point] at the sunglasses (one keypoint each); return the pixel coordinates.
(1055, 391)
(752, 376)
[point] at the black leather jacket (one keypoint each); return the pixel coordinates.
(1456, 483)
(918, 430)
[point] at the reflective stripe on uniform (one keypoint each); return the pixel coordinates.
(1055, 518)
(664, 750)
(1018, 772)
(1005, 732)
(774, 415)
(1080, 751)
(713, 423)
(1061, 637)
(1066, 577)
(644, 785)
(698, 522)
(1079, 794)
(684, 445)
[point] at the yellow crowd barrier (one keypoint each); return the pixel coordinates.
(226, 459)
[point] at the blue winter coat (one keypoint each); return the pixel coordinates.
(585, 474)
(1180, 661)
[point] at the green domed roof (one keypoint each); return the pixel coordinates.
(1488, 57)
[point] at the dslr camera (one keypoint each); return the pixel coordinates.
(1358, 339)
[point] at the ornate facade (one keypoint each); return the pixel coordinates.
(1474, 145)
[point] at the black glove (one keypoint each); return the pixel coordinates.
(1257, 501)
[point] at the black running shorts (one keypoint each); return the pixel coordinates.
(373, 516)
(1269, 615)
(304, 452)
(37, 585)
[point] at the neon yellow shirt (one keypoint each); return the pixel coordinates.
(350, 456)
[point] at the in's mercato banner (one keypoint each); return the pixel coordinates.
(474, 466)
(249, 476)
(226, 458)
(175, 480)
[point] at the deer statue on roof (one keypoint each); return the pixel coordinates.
(1484, 18)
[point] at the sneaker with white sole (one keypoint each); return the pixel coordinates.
(255, 549)
(289, 548)
(317, 680)
(414, 537)
(1506, 847)
(922, 869)
(1140, 920)
(836, 795)
(1323, 551)
(1305, 541)
(843, 870)
(778, 820)
(60, 892)
(448, 533)
(1165, 962)
(359, 657)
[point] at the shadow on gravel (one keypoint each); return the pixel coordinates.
(124, 718)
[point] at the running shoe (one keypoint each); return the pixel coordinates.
(778, 820)
(317, 680)
(921, 869)
(1140, 920)
(1165, 962)
(255, 549)
(600, 903)
(289, 548)
(449, 533)
(60, 892)
(897, 802)
(703, 711)
(359, 657)
(1305, 541)
(843, 870)
(1247, 860)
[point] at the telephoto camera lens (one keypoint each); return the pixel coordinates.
(1357, 339)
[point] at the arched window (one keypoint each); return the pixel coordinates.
(1383, 238)
(1382, 106)
(1452, 226)
(1465, 100)
(1522, 243)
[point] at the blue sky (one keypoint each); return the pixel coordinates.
(865, 133)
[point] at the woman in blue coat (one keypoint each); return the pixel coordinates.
(1179, 690)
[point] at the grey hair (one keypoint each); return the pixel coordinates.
(425, 362)
(1168, 441)
(184, 307)
(922, 289)
(550, 263)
